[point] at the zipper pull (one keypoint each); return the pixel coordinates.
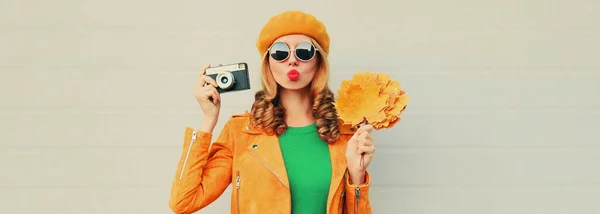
(194, 136)
(187, 155)
(357, 190)
(237, 182)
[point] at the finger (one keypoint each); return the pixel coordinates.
(204, 69)
(365, 139)
(361, 141)
(356, 140)
(367, 150)
(354, 137)
(199, 91)
(367, 128)
(365, 142)
(363, 128)
(201, 80)
(209, 80)
(363, 136)
(214, 94)
(359, 145)
(209, 95)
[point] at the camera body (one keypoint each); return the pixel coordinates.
(230, 77)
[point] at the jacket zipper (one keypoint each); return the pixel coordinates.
(281, 180)
(343, 201)
(188, 154)
(356, 202)
(237, 189)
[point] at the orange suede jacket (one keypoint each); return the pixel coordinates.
(253, 161)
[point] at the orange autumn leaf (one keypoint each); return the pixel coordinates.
(371, 98)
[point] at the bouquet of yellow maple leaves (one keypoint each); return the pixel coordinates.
(370, 98)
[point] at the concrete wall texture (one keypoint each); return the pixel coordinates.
(504, 115)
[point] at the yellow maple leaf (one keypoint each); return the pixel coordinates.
(371, 98)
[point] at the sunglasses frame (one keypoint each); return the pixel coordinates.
(293, 50)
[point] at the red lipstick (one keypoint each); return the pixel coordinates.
(293, 74)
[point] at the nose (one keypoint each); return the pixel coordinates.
(292, 60)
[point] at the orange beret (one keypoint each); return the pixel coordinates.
(292, 22)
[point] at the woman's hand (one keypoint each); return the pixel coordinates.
(360, 146)
(208, 97)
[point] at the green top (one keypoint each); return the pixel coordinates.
(308, 165)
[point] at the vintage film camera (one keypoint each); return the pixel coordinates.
(230, 77)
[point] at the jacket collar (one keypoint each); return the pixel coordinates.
(266, 149)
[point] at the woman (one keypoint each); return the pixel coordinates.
(290, 153)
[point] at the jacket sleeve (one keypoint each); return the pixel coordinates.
(357, 196)
(203, 172)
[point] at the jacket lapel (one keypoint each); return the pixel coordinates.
(266, 149)
(337, 153)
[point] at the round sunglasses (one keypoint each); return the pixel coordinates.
(281, 51)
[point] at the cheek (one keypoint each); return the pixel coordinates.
(277, 68)
(312, 66)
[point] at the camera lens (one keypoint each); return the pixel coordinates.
(225, 80)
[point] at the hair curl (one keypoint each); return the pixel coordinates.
(267, 113)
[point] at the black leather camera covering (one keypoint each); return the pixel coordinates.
(242, 81)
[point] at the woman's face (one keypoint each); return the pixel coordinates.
(293, 61)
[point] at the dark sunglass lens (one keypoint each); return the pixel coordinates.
(279, 51)
(305, 51)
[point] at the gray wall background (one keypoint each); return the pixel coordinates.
(504, 115)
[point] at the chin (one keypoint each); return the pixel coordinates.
(293, 85)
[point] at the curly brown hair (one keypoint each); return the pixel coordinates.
(267, 113)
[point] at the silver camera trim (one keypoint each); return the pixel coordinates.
(225, 68)
(229, 83)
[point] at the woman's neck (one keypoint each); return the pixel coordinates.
(298, 107)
